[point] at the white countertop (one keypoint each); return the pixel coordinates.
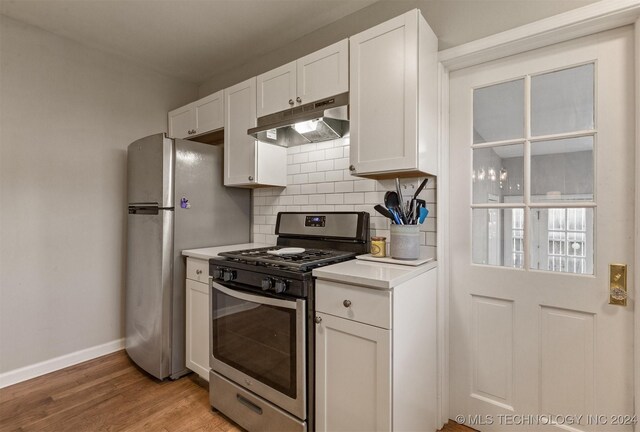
(212, 252)
(371, 274)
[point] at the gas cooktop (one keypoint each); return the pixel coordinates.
(302, 261)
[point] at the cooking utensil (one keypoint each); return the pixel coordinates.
(384, 211)
(422, 185)
(423, 214)
(392, 202)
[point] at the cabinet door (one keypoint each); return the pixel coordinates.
(384, 96)
(209, 113)
(182, 121)
(323, 73)
(197, 328)
(239, 147)
(353, 376)
(277, 89)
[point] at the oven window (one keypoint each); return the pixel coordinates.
(257, 339)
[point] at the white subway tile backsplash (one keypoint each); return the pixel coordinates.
(325, 165)
(334, 176)
(317, 199)
(334, 153)
(326, 187)
(319, 180)
(301, 199)
(301, 158)
(354, 198)
(364, 185)
(342, 163)
(318, 155)
(293, 169)
(300, 178)
(344, 186)
(335, 199)
(308, 189)
(316, 177)
(285, 200)
(308, 167)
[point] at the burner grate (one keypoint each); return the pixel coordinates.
(304, 261)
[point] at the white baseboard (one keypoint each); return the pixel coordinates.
(35, 370)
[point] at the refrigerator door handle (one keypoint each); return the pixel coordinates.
(144, 209)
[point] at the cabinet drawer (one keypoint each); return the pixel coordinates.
(360, 304)
(198, 270)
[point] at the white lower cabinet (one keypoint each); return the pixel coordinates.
(197, 317)
(353, 376)
(376, 356)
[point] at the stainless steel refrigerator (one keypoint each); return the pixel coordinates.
(177, 200)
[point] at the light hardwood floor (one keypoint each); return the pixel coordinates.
(111, 394)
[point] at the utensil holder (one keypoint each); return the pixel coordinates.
(405, 242)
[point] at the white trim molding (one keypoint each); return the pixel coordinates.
(35, 370)
(590, 19)
(635, 291)
(442, 220)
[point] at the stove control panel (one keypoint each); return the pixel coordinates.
(315, 221)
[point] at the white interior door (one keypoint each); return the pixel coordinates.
(550, 133)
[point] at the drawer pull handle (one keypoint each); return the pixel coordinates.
(246, 402)
(346, 303)
(317, 320)
(198, 271)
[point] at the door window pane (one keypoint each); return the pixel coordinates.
(498, 174)
(562, 240)
(562, 170)
(562, 101)
(498, 112)
(498, 237)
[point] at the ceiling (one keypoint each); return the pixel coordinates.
(195, 39)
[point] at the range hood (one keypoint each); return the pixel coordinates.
(323, 120)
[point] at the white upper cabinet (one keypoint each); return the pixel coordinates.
(318, 75)
(393, 99)
(182, 122)
(247, 162)
(197, 118)
(277, 89)
(323, 73)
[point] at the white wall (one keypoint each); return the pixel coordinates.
(318, 179)
(67, 114)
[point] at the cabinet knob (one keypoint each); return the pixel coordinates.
(290, 101)
(250, 178)
(198, 271)
(346, 303)
(352, 168)
(298, 99)
(317, 320)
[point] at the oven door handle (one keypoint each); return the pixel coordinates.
(271, 301)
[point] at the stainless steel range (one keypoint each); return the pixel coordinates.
(262, 310)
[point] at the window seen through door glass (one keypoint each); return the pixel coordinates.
(562, 240)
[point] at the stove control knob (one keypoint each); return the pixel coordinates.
(217, 273)
(280, 286)
(267, 284)
(228, 275)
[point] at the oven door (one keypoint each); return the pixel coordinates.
(259, 342)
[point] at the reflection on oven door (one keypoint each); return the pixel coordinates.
(258, 342)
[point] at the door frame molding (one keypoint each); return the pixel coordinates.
(584, 21)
